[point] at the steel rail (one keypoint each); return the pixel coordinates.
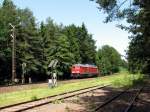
(134, 99)
(110, 100)
(50, 101)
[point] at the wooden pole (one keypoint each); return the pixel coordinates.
(13, 53)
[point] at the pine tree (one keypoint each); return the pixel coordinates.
(48, 32)
(63, 55)
(71, 32)
(28, 50)
(8, 14)
(86, 45)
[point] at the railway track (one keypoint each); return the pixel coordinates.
(107, 106)
(142, 103)
(133, 100)
(32, 104)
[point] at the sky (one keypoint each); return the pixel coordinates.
(76, 12)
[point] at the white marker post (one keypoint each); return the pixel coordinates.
(52, 66)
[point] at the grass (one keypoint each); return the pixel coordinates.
(117, 80)
(128, 80)
(33, 98)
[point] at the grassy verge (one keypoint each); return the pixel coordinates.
(128, 80)
(118, 80)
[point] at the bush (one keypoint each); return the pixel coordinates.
(124, 82)
(139, 79)
(33, 98)
(129, 80)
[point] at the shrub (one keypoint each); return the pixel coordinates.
(33, 98)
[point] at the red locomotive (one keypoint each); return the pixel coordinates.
(82, 70)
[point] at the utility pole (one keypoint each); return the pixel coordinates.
(13, 52)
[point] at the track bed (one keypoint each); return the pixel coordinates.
(85, 102)
(120, 103)
(32, 104)
(142, 104)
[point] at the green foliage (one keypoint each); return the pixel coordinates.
(137, 14)
(7, 15)
(34, 98)
(82, 44)
(139, 79)
(71, 32)
(124, 64)
(129, 80)
(86, 46)
(126, 81)
(108, 60)
(27, 38)
(139, 52)
(38, 45)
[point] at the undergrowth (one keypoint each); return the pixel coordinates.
(34, 98)
(128, 80)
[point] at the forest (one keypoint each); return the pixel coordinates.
(38, 43)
